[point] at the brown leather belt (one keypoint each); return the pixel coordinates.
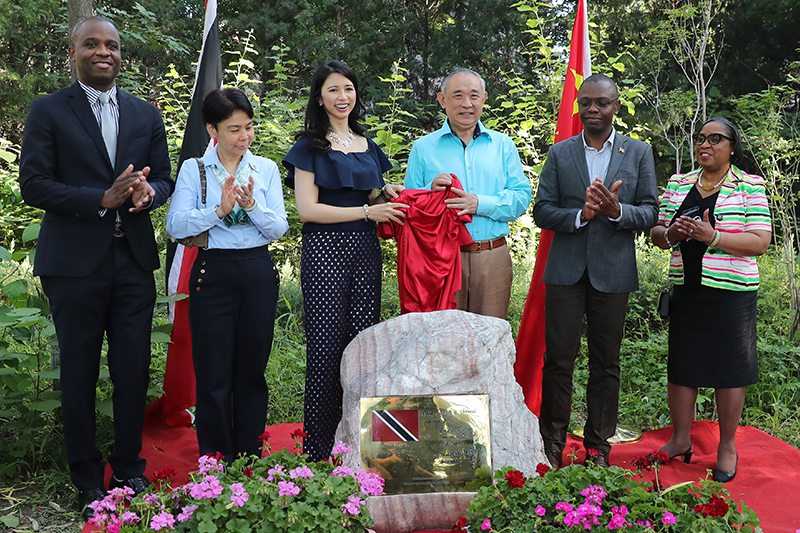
(484, 245)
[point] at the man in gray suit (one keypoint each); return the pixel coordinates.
(595, 190)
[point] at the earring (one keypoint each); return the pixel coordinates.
(732, 153)
(320, 104)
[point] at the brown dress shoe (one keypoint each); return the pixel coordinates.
(600, 460)
(554, 458)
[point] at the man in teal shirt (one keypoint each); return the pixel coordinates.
(495, 192)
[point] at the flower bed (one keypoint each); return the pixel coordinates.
(279, 493)
(578, 498)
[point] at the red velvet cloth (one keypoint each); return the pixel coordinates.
(768, 478)
(428, 249)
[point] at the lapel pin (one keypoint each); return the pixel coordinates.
(622, 150)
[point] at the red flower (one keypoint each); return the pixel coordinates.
(574, 447)
(660, 457)
(715, 507)
(515, 479)
(299, 434)
(542, 469)
(264, 437)
(164, 474)
(248, 472)
(218, 456)
(641, 462)
(460, 525)
(591, 452)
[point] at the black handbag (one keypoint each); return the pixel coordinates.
(663, 303)
(201, 240)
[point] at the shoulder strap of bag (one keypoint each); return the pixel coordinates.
(202, 169)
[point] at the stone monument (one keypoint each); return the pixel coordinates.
(437, 354)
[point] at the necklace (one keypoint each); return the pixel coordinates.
(708, 186)
(344, 143)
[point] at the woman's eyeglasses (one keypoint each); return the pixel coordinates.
(714, 138)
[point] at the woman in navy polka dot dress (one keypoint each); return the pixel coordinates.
(337, 175)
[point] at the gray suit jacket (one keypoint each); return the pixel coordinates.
(603, 247)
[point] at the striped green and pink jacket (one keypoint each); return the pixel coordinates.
(741, 206)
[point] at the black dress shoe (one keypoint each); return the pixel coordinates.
(724, 477)
(554, 458)
(600, 460)
(85, 497)
(139, 484)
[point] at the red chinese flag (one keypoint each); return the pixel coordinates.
(530, 339)
(401, 425)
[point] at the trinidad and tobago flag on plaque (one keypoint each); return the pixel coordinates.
(399, 425)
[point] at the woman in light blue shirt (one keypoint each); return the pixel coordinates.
(234, 283)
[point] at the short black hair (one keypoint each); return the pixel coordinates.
(81, 22)
(732, 132)
(222, 103)
(601, 78)
(317, 122)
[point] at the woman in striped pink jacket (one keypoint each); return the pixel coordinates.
(716, 221)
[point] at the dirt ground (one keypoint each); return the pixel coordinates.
(27, 507)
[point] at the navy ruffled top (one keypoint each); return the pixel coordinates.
(344, 179)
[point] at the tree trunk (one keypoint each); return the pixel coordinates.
(78, 10)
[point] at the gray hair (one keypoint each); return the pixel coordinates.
(456, 72)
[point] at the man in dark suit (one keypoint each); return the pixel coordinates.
(595, 190)
(95, 159)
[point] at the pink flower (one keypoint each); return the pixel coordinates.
(342, 471)
(209, 488)
(239, 495)
(341, 448)
(369, 483)
(563, 506)
(668, 518)
(274, 472)
(162, 520)
(353, 505)
(541, 511)
(150, 499)
(594, 494)
(487, 525)
(301, 472)
(208, 464)
(129, 517)
(287, 488)
(186, 513)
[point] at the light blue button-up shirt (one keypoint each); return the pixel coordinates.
(488, 167)
(187, 216)
(597, 161)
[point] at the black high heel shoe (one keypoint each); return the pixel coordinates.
(687, 455)
(724, 477)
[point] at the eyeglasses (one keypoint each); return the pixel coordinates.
(600, 103)
(714, 138)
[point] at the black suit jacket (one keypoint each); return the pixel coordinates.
(65, 169)
(605, 248)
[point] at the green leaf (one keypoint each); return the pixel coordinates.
(5, 255)
(45, 405)
(9, 520)
(31, 233)
(16, 288)
(159, 336)
(50, 373)
(106, 407)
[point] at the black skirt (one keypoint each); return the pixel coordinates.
(712, 337)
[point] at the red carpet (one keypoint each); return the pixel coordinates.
(768, 479)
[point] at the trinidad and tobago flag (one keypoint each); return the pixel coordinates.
(400, 425)
(179, 383)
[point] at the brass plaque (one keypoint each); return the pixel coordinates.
(422, 444)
